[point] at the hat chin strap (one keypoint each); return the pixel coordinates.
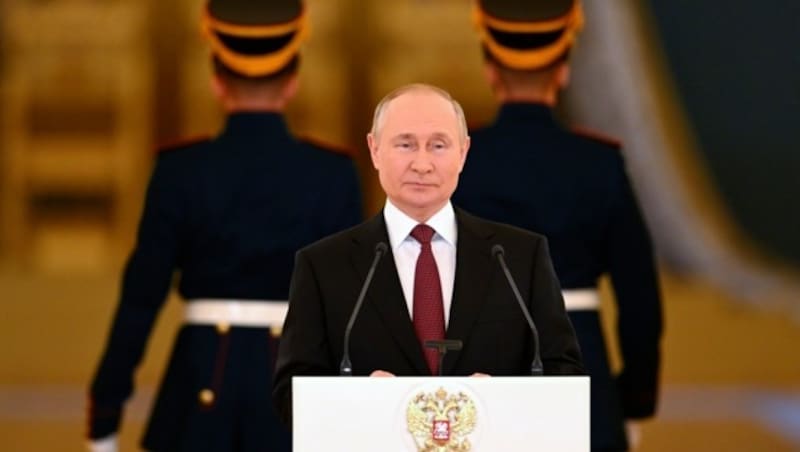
(571, 23)
(255, 65)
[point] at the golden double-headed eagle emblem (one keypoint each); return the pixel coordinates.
(440, 422)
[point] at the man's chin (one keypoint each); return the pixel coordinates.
(419, 199)
(420, 187)
(422, 202)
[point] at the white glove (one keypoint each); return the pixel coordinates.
(107, 444)
(633, 431)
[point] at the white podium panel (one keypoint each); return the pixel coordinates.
(441, 414)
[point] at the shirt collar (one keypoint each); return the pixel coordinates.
(399, 225)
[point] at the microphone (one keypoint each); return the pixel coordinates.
(345, 367)
(536, 365)
(442, 347)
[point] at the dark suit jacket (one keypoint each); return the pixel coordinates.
(484, 314)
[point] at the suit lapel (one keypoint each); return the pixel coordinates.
(470, 291)
(385, 293)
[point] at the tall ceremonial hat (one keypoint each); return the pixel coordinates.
(255, 38)
(527, 34)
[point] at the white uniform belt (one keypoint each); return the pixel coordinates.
(581, 299)
(253, 313)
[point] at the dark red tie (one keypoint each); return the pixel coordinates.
(428, 305)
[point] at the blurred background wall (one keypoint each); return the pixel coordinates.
(738, 73)
(705, 98)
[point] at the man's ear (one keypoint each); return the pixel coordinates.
(372, 143)
(218, 87)
(464, 151)
(562, 76)
(491, 74)
(290, 87)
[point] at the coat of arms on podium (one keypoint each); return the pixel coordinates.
(441, 422)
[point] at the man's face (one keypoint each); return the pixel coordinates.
(418, 152)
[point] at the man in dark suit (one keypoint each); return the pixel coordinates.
(229, 214)
(527, 170)
(438, 280)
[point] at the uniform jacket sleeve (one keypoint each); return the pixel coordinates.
(146, 282)
(639, 323)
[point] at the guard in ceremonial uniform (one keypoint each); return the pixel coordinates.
(228, 214)
(527, 170)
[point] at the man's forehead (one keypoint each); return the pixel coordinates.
(417, 98)
(435, 134)
(421, 108)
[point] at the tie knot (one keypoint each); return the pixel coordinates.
(422, 233)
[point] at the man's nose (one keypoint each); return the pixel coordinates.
(422, 162)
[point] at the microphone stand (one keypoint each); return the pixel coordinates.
(536, 366)
(442, 347)
(346, 367)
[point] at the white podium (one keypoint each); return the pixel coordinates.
(440, 414)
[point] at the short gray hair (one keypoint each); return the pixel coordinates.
(377, 118)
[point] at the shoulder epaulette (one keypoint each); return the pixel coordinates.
(336, 149)
(183, 143)
(597, 136)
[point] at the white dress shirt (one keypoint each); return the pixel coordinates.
(406, 251)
